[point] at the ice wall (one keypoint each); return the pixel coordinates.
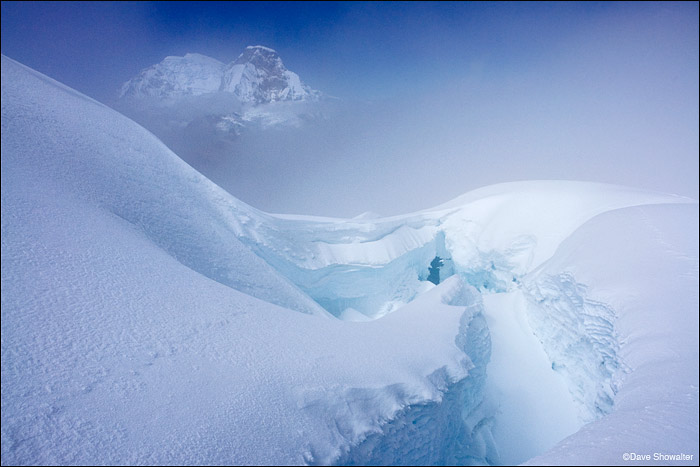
(454, 430)
(491, 237)
(642, 263)
(579, 336)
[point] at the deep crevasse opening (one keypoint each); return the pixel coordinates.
(455, 430)
(533, 407)
(514, 405)
(551, 369)
(579, 336)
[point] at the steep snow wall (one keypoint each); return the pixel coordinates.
(580, 338)
(455, 430)
(627, 341)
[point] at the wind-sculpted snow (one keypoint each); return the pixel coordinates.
(492, 240)
(130, 330)
(455, 430)
(580, 338)
(637, 320)
(76, 147)
(451, 428)
(148, 317)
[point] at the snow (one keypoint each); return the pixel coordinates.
(642, 262)
(522, 385)
(374, 265)
(132, 175)
(149, 317)
(257, 76)
(191, 75)
(123, 340)
(261, 47)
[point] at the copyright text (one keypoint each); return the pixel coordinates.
(657, 456)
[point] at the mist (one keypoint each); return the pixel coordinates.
(391, 245)
(440, 101)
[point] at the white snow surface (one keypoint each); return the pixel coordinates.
(534, 406)
(643, 263)
(150, 317)
(117, 345)
(191, 75)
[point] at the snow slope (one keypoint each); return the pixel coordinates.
(642, 263)
(174, 77)
(65, 142)
(130, 331)
(150, 317)
(534, 408)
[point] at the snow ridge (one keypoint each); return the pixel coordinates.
(144, 168)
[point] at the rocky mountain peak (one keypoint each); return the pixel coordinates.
(257, 76)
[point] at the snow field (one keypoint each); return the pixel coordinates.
(120, 344)
(643, 262)
(149, 317)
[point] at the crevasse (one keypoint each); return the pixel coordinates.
(579, 337)
(455, 430)
(576, 333)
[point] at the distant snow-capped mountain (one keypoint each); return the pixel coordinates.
(213, 113)
(257, 76)
(191, 75)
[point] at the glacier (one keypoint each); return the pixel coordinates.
(649, 280)
(150, 317)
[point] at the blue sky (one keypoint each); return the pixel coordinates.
(492, 91)
(348, 49)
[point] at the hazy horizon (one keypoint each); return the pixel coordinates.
(448, 97)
